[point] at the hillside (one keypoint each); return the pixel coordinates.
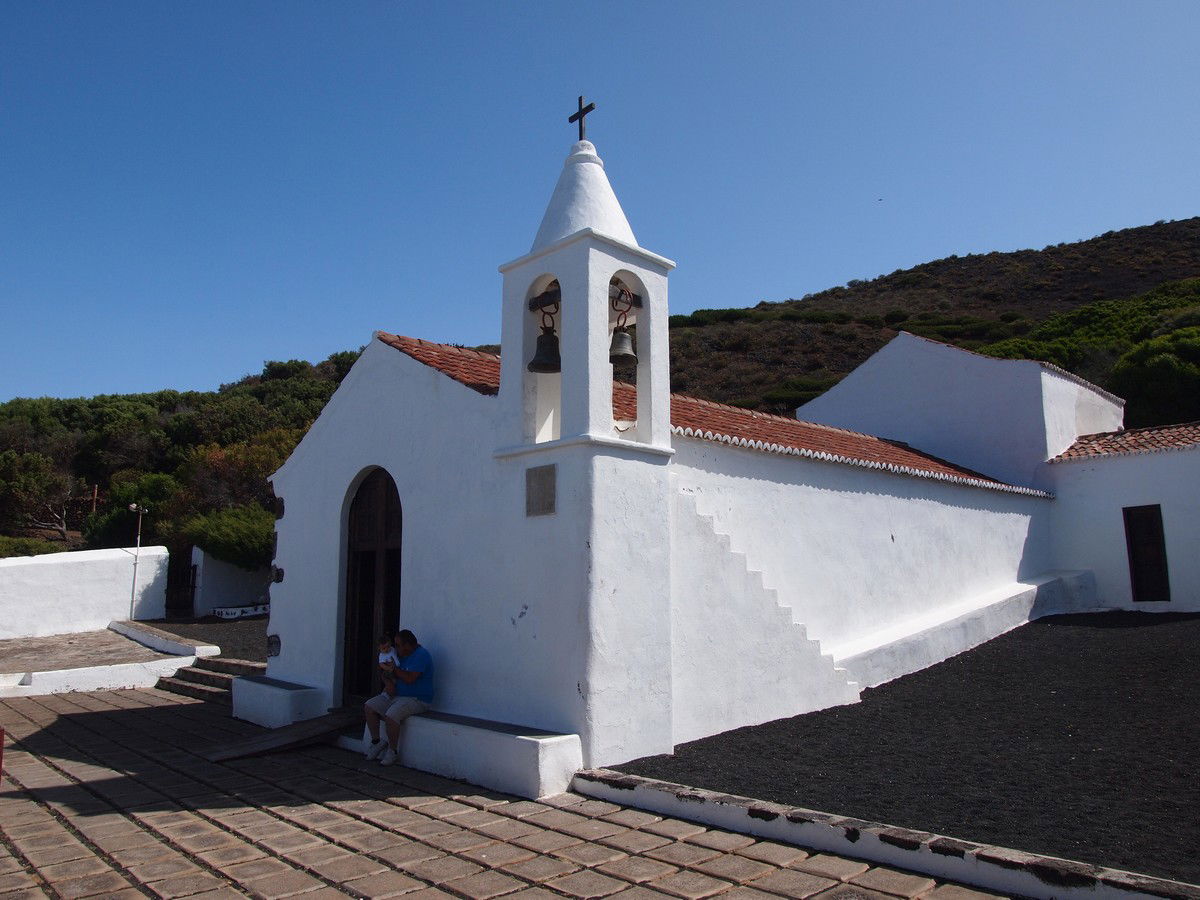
(1122, 309)
(775, 356)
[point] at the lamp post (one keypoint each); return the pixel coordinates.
(137, 552)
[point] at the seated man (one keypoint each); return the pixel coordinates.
(407, 692)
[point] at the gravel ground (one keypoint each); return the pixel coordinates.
(1073, 736)
(244, 638)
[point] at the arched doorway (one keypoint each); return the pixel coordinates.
(373, 537)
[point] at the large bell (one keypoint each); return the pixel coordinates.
(621, 348)
(545, 357)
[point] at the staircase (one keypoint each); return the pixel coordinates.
(210, 678)
(726, 619)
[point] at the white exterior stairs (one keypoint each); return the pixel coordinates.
(722, 616)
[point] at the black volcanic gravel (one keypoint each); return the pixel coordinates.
(1073, 736)
(244, 638)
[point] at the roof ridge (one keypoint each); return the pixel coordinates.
(388, 337)
(722, 422)
(1193, 424)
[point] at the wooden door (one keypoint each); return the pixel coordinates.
(1147, 553)
(373, 541)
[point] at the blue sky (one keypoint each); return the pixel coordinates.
(189, 189)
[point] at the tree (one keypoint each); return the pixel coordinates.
(34, 493)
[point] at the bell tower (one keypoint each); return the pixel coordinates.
(584, 468)
(584, 278)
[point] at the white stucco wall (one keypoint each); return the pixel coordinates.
(1071, 410)
(854, 551)
(65, 593)
(1003, 418)
(219, 583)
(1089, 528)
(497, 598)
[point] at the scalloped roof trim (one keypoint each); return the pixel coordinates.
(825, 456)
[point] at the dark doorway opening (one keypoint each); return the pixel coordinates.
(372, 581)
(1147, 554)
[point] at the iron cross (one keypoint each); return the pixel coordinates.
(578, 117)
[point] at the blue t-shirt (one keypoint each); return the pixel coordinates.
(417, 661)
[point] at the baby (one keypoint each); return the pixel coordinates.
(388, 660)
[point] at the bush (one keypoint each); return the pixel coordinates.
(1160, 378)
(242, 535)
(13, 546)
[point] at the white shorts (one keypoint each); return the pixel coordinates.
(396, 708)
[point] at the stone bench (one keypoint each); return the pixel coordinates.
(516, 759)
(272, 702)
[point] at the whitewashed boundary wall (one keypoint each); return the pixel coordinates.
(1089, 527)
(855, 551)
(219, 583)
(66, 593)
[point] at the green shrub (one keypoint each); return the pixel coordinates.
(242, 535)
(14, 546)
(1160, 379)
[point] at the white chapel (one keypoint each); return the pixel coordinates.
(603, 571)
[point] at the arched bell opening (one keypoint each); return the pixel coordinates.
(374, 534)
(626, 299)
(543, 371)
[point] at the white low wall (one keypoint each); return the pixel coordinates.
(219, 583)
(66, 593)
(924, 641)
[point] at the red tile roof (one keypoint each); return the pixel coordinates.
(1136, 440)
(473, 368)
(703, 419)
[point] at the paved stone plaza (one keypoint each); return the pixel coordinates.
(105, 794)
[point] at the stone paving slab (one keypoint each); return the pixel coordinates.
(107, 794)
(72, 651)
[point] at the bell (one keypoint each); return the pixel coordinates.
(621, 348)
(545, 357)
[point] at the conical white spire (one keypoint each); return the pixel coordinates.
(583, 198)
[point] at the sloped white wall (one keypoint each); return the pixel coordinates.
(219, 583)
(1001, 417)
(66, 593)
(1072, 410)
(853, 551)
(1089, 528)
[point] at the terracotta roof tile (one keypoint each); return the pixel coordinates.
(703, 419)
(473, 368)
(1136, 440)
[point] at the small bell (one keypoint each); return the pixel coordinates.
(621, 348)
(545, 357)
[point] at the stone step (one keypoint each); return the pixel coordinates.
(197, 675)
(231, 666)
(192, 689)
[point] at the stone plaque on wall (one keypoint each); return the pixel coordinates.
(540, 491)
